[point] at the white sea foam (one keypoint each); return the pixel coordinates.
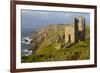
(28, 52)
(26, 40)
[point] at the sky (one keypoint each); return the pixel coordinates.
(40, 18)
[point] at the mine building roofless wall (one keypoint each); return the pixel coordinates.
(76, 32)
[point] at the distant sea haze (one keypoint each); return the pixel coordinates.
(27, 32)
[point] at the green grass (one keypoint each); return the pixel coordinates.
(54, 51)
(79, 51)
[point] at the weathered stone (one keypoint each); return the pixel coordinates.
(75, 33)
(69, 34)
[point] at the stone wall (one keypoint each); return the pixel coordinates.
(69, 34)
(75, 33)
(80, 25)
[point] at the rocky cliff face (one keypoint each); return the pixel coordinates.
(49, 45)
(49, 34)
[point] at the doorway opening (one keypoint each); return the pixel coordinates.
(69, 38)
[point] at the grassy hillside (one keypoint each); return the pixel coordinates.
(50, 41)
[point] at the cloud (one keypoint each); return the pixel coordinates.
(44, 15)
(38, 17)
(51, 15)
(67, 15)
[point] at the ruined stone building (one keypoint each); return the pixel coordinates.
(76, 32)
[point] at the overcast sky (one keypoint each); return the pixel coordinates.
(37, 18)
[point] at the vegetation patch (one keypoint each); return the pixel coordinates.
(51, 48)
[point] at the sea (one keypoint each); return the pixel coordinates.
(26, 33)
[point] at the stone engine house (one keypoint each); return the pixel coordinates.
(75, 33)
